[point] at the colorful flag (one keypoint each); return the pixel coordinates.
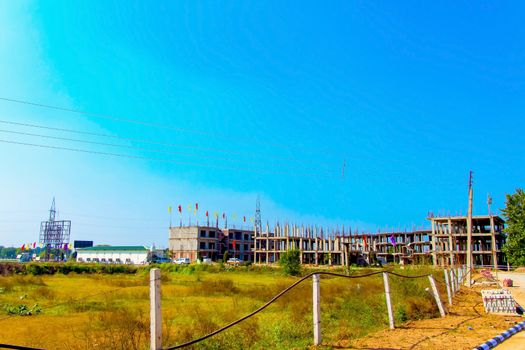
(234, 244)
(216, 215)
(169, 209)
(180, 208)
(190, 207)
(23, 246)
(252, 219)
(34, 245)
(196, 206)
(224, 215)
(234, 216)
(244, 218)
(392, 240)
(206, 213)
(364, 241)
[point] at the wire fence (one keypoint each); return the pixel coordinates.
(453, 279)
(283, 292)
(84, 298)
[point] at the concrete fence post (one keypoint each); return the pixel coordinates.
(453, 282)
(460, 277)
(436, 295)
(447, 282)
(155, 310)
(317, 310)
(388, 301)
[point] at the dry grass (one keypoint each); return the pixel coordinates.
(112, 311)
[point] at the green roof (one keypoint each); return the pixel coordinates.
(120, 248)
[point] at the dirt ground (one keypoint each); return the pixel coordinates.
(465, 327)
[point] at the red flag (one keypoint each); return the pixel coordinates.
(34, 245)
(23, 246)
(364, 240)
(244, 218)
(234, 244)
(196, 206)
(180, 208)
(206, 213)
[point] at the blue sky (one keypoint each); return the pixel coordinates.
(249, 98)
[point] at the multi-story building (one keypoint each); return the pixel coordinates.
(449, 240)
(210, 242)
(444, 245)
(339, 248)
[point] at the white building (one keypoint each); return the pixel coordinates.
(137, 255)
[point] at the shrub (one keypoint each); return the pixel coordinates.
(22, 310)
(290, 262)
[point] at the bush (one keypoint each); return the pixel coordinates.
(22, 310)
(290, 262)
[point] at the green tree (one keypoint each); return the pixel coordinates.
(514, 214)
(290, 262)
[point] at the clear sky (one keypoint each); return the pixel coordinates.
(251, 98)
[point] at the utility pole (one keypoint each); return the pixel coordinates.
(469, 232)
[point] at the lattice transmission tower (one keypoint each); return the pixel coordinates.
(54, 233)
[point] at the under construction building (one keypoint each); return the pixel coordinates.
(210, 242)
(449, 240)
(444, 244)
(339, 248)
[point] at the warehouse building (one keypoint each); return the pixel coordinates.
(136, 255)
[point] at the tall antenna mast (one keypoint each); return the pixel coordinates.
(489, 203)
(469, 231)
(52, 211)
(258, 221)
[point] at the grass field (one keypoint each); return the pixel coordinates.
(102, 311)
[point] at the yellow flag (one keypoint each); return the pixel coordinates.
(190, 207)
(169, 209)
(251, 219)
(216, 215)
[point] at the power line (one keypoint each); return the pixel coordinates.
(104, 116)
(198, 148)
(123, 146)
(247, 169)
(131, 121)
